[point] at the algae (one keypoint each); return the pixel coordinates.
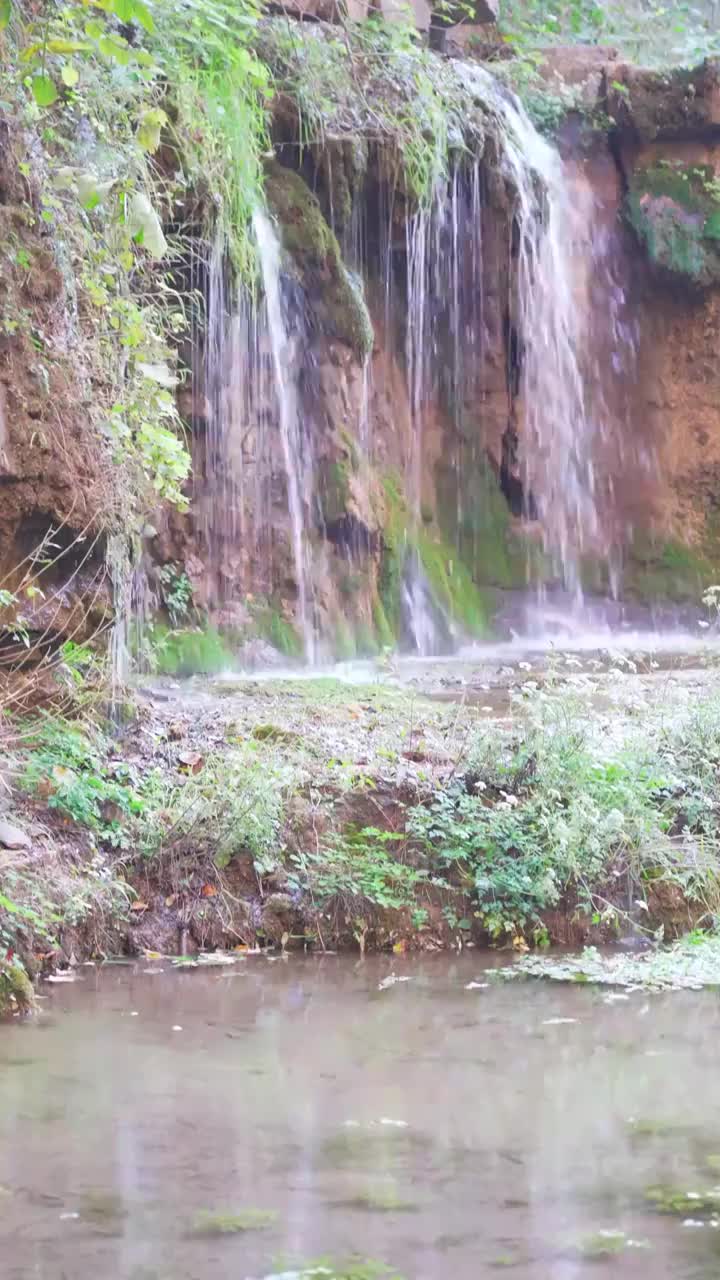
(16, 990)
(334, 294)
(209, 1222)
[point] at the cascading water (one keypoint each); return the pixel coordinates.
(250, 369)
(569, 344)
(569, 308)
(287, 400)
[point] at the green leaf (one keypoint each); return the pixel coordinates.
(44, 91)
(67, 46)
(115, 47)
(144, 225)
(151, 125)
(133, 11)
(69, 75)
(5, 13)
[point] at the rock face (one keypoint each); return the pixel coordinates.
(406, 360)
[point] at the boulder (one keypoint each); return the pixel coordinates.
(679, 104)
(12, 837)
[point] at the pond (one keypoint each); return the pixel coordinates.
(245, 1121)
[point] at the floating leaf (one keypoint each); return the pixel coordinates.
(44, 91)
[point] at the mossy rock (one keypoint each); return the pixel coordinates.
(192, 651)
(666, 571)
(474, 516)
(16, 990)
(671, 103)
(334, 295)
(675, 212)
(333, 487)
(678, 1202)
(451, 585)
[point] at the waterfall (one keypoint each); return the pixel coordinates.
(563, 329)
(283, 359)
(566, 307)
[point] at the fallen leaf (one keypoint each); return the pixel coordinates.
(209, 891)
(140, 906)
(399, 947)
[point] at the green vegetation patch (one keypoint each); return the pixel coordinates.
(451, 584)
(688, 965)
(16, 989)
(675, 211)
(213, 1222)
(335, 296)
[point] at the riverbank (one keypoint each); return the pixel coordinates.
(569, 798)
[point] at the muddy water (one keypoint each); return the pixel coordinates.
(451, 1132)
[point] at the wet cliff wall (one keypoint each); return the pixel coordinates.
(417, 462)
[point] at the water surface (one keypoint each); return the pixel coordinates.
(451, 1132)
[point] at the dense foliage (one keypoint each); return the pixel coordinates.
(646, 31)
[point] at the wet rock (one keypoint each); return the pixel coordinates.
(679, 104)
(16, 990)
(156, 930)
(280, 915)
(12, 837)
(258, 653)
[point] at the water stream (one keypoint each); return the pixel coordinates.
(296, 469)
(448, 1130)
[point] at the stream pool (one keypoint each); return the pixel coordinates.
(450, 1130)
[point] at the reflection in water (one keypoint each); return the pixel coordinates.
(449, 1131)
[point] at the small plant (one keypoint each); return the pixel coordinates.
(357, 871)
(67, 767)
(176, 591)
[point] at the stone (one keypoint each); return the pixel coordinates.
(677, 104)
(12, 837)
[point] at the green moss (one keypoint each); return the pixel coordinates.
(283, 636)
(450, 581)
(474, 516)
(386, 637)
(367, 641)
(223, 1223)
(333, 489)
(344, 646)
(666, 571)
(451, 584)
(675, 212)
(194, 651)
(16, 990)
(334, 294)
(680, 1203)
